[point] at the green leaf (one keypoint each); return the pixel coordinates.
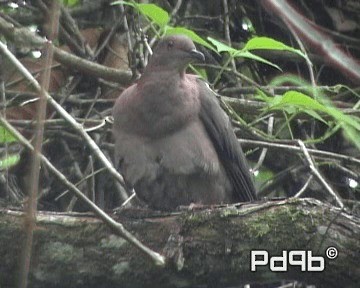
(315, 115)
(70, 3)
(352, 134)
(249, 55)
(191, 34)
(201, 72)
(221, 47)
(343, 118)
(348, 123)
(9, 161)
(304, 101)
(310, 106)
(6, 136)
(301, 100)
(155, 13)
(293, 102)
(260, 95)
(265, 43)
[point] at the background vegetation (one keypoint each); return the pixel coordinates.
(293, 93)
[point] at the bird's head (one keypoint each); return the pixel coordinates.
(175, 52)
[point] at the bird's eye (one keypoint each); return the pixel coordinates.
(170, 44)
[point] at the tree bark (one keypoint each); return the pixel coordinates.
(204, 248)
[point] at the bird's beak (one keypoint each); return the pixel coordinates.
(197, 55)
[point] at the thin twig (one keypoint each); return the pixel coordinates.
(318, 175)
(30, 216)
(109, 35)
(314, 152)
(303, 189)
(307, 59)
(264, 150)
(176, 8)
(117, 227)
(227, 30)
(71, 23)
(82, 181)
(75, 125)
(126, 26)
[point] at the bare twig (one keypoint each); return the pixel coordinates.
(314, 152)
(277, 90)
(109, 35)
(303, 189)
(227, 29)
(118, 228)
(30, 216)
(318, 175)
(264, 150)
(307, 59)
(78, 127)
(70, 22)
(87, 177)
(126, 26)
(176, 8)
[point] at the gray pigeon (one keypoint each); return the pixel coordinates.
(173, 142)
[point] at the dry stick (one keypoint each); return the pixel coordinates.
(30, 216)
(157, 258)
(317, 174)
(3, 110)
(314, 152)
(307, 59)
(303, 189)
(118, 228)
(78, 127)
(265, 149)
(70, 22)
(126, 27)
(176, 8)
(85, 178)
(227, 29)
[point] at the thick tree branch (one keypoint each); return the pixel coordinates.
(204, 247)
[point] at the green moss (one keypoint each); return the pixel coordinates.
(61, 252)
(113, 241)
(121, 268)
(263, 225)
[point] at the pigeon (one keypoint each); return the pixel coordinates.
(173, 142)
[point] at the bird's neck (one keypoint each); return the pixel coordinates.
(154, 71)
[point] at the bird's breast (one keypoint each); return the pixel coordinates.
(166, 106)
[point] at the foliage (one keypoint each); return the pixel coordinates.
(293, 102)
(161, 18)
(255, 43)
(6, 136)
(9, 161)
(71, 3)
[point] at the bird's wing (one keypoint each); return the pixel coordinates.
(218, 126)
